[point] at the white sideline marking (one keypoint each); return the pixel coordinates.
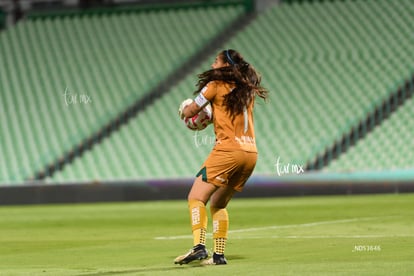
(282, 227)
(327, 237)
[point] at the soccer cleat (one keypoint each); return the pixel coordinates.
(198, 252)
(215, 260)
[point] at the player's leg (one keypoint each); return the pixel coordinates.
(240, 171)
(197, 200)
(198, 197)
(220, 217)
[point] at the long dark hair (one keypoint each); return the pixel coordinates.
(242, 75)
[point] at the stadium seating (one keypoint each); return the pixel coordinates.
(66, 77)
(326, 68)
(327, 65)
(388, 148)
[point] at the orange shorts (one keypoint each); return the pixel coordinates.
(228, 168)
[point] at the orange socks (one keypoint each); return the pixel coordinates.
(220, 229)
(199, 219)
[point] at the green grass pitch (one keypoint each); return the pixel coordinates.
(335, 235)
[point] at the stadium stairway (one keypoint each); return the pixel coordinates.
(389, 147)
(400, 98)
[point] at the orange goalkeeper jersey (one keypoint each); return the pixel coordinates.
(231, 134)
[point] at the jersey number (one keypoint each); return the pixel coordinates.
(246, 120)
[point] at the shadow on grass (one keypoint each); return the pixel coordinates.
(139, 270)
(157, 269)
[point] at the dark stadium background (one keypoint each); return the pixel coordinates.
(89, 92)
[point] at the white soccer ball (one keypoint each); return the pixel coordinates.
(201, 120)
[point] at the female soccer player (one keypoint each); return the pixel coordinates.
(230, 86)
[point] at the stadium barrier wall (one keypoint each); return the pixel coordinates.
(174, 189)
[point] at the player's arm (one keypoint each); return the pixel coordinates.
(191, 110)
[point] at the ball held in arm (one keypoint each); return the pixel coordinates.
(185, 103)
(200, 120)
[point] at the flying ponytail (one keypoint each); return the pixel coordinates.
(242, 75)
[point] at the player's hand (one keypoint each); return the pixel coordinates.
(182, 106)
